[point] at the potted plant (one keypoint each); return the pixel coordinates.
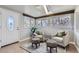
(33, 29)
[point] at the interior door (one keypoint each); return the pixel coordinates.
(12, 27)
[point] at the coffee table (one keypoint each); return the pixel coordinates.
(51, 44)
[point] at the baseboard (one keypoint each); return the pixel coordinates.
(9, 44)
(24, 39)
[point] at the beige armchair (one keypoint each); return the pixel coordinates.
(41, 36)
(62, 41)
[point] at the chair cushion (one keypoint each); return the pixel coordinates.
(63, 33)
(59, 39)
(35, 34)
(38, 36)
(35, 38)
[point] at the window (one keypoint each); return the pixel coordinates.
(38, 23)
(61, 20)
(26, 22)
(32, 22)
(10, 23)
(44, 23)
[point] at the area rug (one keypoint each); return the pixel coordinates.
(41, 49)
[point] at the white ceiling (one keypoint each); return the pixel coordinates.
(38, 10)
(18, 8)
(60, 8)
(35, 10)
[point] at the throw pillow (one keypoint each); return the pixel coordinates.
(59, 35)
(63, 33)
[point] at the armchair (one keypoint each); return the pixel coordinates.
(62, 41)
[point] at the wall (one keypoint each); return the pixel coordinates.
(7, 36)
(0, 28)
(76, 26)
(24, 30)
(52, 30)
